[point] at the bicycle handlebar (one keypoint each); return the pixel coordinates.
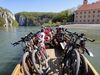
(71, 33)
(91, 40)
(80, 36)
(16, 43)
(24, 39)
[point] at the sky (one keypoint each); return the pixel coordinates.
(40, 5)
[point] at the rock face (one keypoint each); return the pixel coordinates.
(23, 20)
(33, 18)
(44, 18)
(7, 16)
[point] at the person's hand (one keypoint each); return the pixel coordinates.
(56, 43)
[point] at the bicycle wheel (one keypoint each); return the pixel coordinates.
(40, 62)
(26, 54)
(36, 63)
(83, 66)
(44, 60)
(72, 63)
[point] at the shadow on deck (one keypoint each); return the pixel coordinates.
(54, 61)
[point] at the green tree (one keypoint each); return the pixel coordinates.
(44, 18)
(15, 23)
(70, 18)
(2, 21)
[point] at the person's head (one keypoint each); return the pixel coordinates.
(59, 29)
(42, 30)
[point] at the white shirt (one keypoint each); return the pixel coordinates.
(41, 36)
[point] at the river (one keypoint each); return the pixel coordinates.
(10, 56)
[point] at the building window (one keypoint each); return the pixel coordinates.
(76, 12)
(80, 16)
(80, 20)
(85, 12)
(93, 16)
(76, 21)
(84, 20)
(93, 11)
(88, 20)
(80, 12)
(89, 16)
(76, 16)
(93, 20)
(97, 20)
(84, 16)
(89, 12)
(98, 11)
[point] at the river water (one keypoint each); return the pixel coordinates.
(10, 56)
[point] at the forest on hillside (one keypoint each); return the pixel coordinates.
(45, 18)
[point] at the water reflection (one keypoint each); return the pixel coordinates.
(9, 55)
(7, 29)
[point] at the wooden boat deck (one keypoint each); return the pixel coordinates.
(54, 64)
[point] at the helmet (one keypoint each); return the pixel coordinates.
(60, 28)
(82, 34)
(42, 30)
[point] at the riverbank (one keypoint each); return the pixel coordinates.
(86, 26)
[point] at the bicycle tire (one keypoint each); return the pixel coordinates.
(78, 62)
(39, 71)
(45, 58)
(75, 68)
(34, 62)
(84, 65)
(26, 54)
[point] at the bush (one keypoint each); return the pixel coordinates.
(14, 23)
(2, 21)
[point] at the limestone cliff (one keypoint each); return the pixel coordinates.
(7, 18)
(33, 18)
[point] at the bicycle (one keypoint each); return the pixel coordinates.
(39, 60)
(73, 54)
(31, 51)
(82, 50)
(71, 58)
(27, 51)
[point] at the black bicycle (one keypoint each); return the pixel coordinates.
(33, 54)
(74, 60)
(27, 51)
(82, 50)
(71, 58)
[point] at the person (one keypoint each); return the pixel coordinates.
(59, 30)
(60, 33)
(48, 32)
(59, 36)
(40, 37)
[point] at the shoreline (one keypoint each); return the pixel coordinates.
(86, 26)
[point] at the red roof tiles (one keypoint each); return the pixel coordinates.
(89, 6)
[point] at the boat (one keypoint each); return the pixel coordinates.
(53, 61)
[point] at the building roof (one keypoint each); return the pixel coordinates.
(89, 6)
